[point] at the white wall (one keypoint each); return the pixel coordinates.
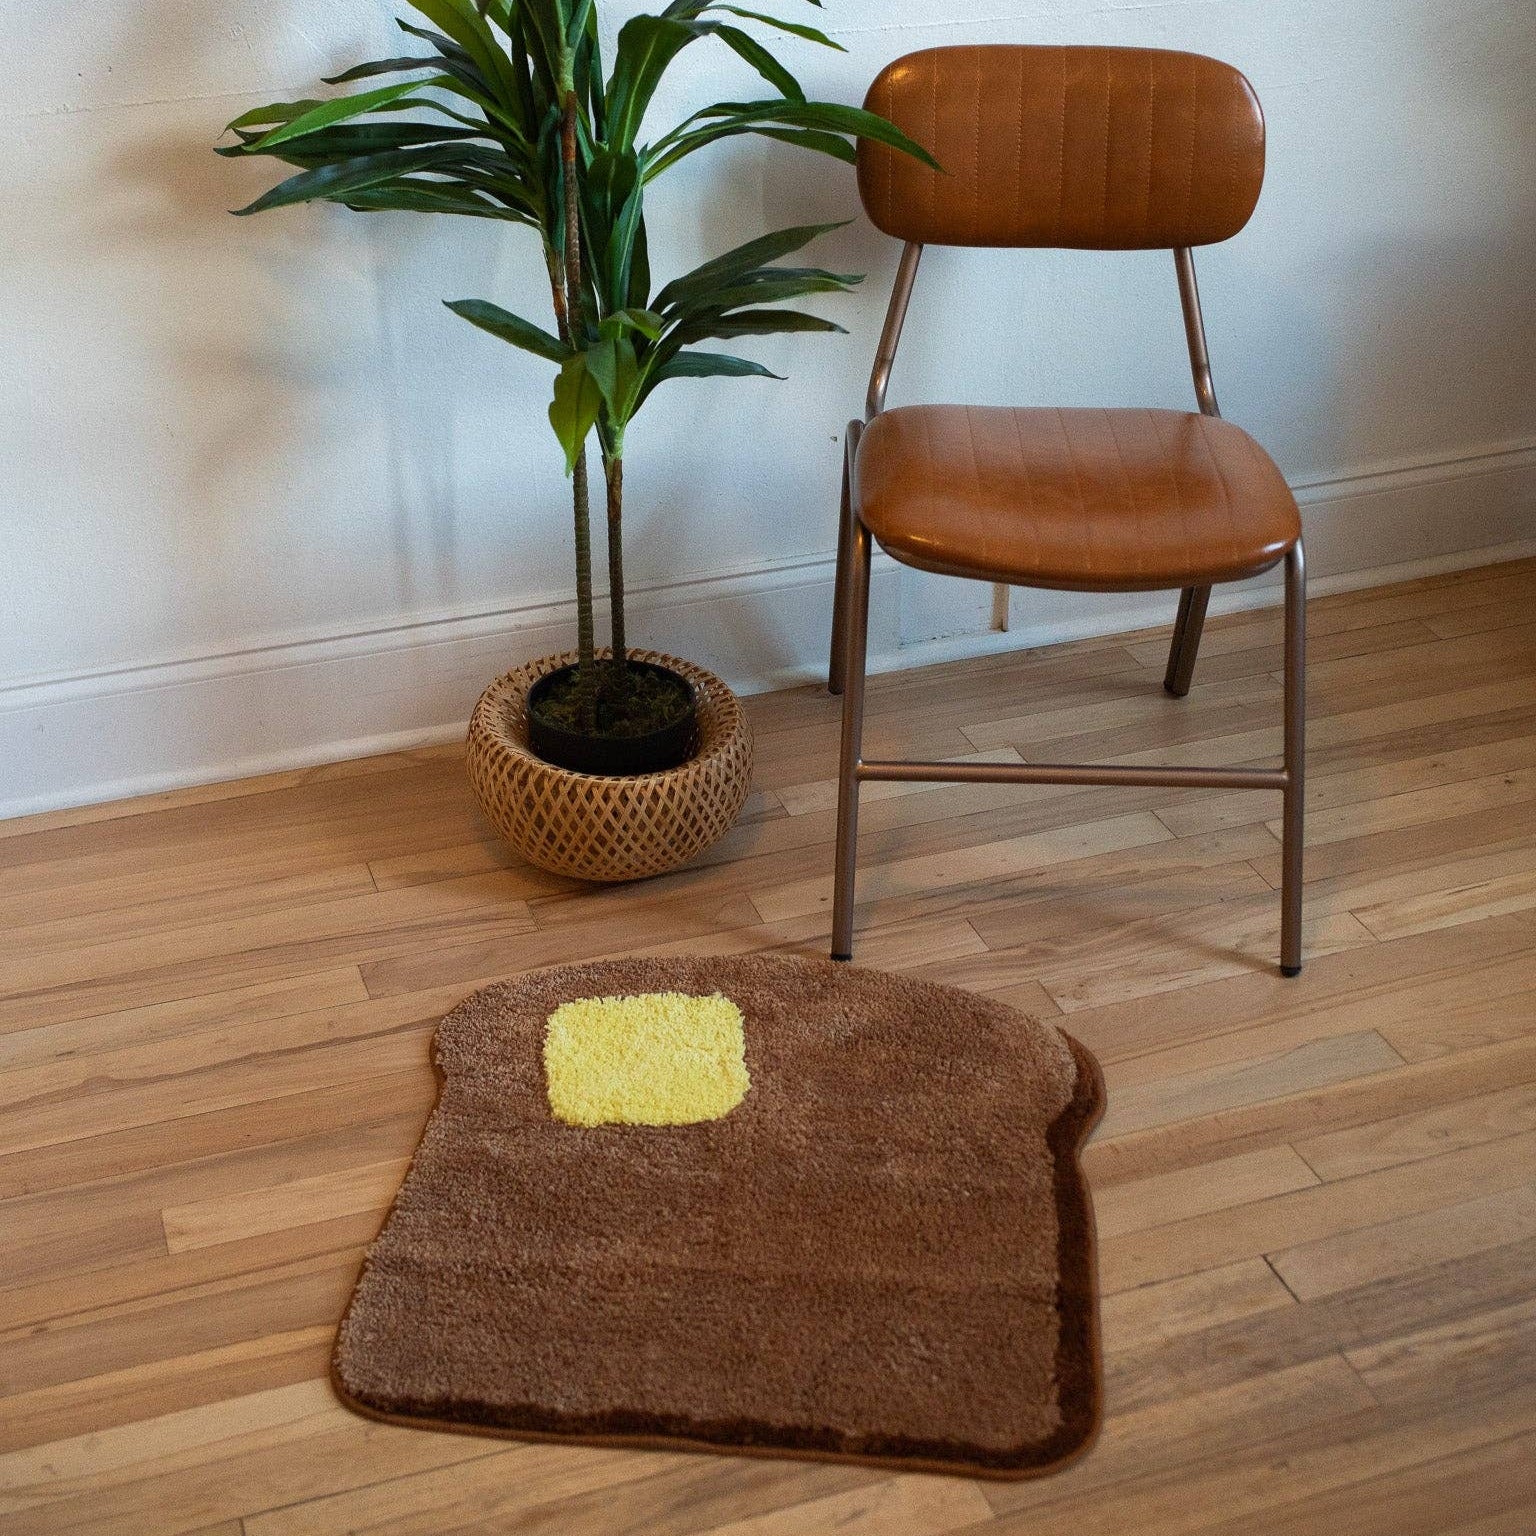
(264, 501)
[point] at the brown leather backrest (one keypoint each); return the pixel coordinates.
(1093, 148)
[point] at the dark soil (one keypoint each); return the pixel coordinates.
(631, 701)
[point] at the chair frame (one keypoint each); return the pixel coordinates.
(850, 632)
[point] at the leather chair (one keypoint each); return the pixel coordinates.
(1093, 149)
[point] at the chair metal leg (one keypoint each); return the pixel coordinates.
(836, 663)
(1295, 760)
(855, 612)
(1187, 629)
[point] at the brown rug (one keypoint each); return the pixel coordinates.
(883, 1252)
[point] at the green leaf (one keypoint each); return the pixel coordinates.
(768, 291)
(574, 410)
(589, 72)
(602, 365)
(410, 196)
(615, 369)
(379, 67)
(335, 181)
(829, 117)
(646, 321)
(726, 119)
(512, 328)
(581, 14)
(804, 138)
(639, 294)
(813, 139)
(647, 45)
(275, 112)
(444, 45)
(710, 365)
(623, 245)
(754, 322)
(338, 111)
(737, 263)
(748, 48)
(350, 139)
(799, 29)
(543, 30)
(471, 78)
(461, 22)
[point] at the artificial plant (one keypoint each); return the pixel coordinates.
(512, 118)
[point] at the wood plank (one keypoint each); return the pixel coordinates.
(1401, 603)
(1170, 875)
(46, 1415)
(1514, 892)
(1191, 1304)
(46, 1121)
(971, 866)
(42, 1474)
(1355, 787)
(550, 1489)
(1179, 1434)
(1408, 1138)
(1143, 1105)
(1224, 939)
(919, 1506)
(443, 901)
(1194, 1192)
(304, 1294)
(236, 1008)
(1246, 1349)
(1239, 1490)
(1238, 1231)
(1422, 1497)
(300, 1203)
(1364, 1254)
(228, 789)
(1465, 1354)
(1415, 808)
(1480, 619)
(1375, 988)
(1351, 1102)
(1263, 648)
(1518, 1520)
(403, 1098)
(1039, 727)
(305, 1457)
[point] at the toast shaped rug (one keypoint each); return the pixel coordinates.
(744, 1204)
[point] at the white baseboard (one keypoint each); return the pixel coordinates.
(299, 700)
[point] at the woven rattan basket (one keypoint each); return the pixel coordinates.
(608, 828)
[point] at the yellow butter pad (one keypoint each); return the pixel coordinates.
(659, 1058)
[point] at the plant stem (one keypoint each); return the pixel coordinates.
(557, 292)
(586, 635)
(576, 336)
(614, 469)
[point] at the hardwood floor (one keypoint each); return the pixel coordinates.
(1317, 1198)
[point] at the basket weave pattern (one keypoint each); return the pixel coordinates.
(601, 828)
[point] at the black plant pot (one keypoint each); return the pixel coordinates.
(613, 756)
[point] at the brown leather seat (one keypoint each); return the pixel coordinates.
(1095, 500)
